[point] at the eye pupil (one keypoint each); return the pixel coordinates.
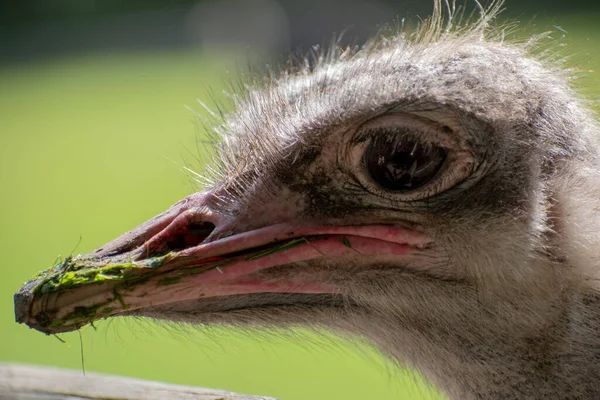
(402, 163)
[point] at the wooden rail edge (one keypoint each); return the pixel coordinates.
(26, 382)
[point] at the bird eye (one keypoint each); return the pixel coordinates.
(400, 163)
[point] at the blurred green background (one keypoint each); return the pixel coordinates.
(93, 132)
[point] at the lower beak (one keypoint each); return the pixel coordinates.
(191, 253)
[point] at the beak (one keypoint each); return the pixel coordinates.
(190, 252)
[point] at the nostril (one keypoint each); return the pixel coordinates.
(188, 229)
(190, 235)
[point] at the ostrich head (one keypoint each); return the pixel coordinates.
(433, 193)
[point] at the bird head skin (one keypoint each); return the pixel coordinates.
(435, 193)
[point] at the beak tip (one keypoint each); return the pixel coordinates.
(22, 301)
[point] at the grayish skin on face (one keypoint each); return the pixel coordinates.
(504, 302)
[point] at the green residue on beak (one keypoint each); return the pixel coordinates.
(63, 341)
(120, 300)
(169, 280)
(277, 249)
(59, 265)
(77, 272)
(346, 242)
(81, 314)
(156, 262)
(72, 274)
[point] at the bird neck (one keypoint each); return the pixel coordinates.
(539, 339)
(504, 351)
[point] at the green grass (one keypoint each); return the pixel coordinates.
(89, 148)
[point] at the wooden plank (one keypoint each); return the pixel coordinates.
(24, 382)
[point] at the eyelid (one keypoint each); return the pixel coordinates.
(432, 131)
(456, 168)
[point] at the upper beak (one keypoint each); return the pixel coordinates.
(189, 252)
